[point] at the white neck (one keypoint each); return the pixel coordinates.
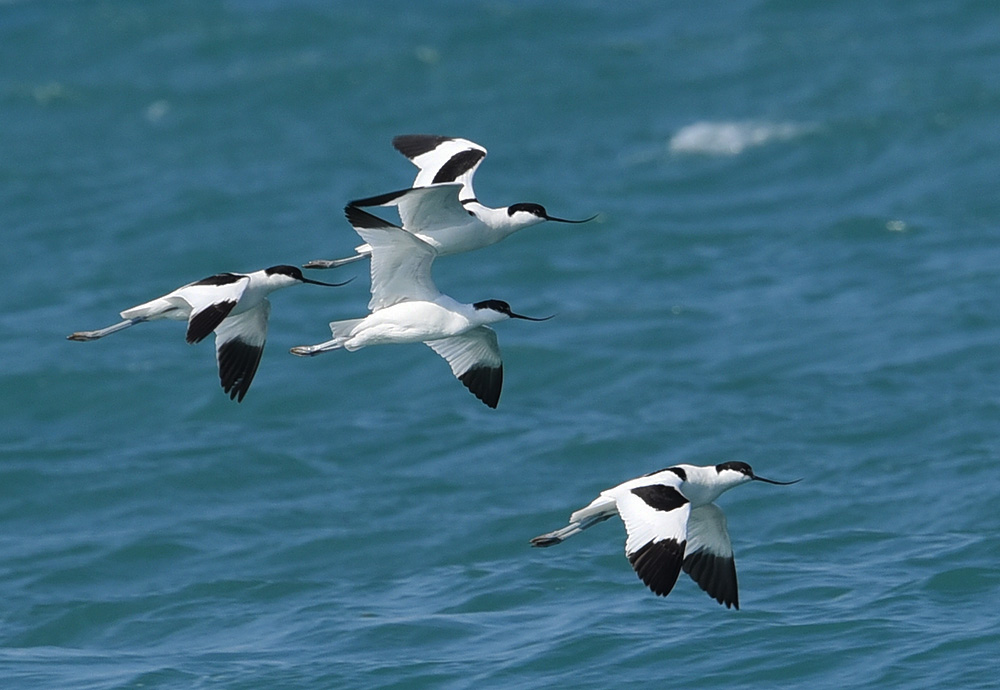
(499, 220)
(705, 484)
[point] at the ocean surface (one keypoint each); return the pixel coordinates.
(796, 265)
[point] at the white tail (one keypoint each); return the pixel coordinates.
(148, 311)
(599, 510)
(342, 329)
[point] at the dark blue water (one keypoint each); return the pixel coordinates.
(796, 265)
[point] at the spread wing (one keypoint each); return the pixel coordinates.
(400, 264)
(475, 360)
(442, 159)
(239, 344)
(655, 517)
(424, 209)
(709, 557)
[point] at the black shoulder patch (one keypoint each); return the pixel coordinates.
(220, 279)
(715, 575)
(658, 564)
(679, 471)
(484, 383)
(380, 200)
(238, 363)
(457, 165)
(362, 219)
(207, 320)
(413, 145)
(660, 497)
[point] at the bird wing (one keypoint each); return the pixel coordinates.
(400, 264)
(655, 517)
(709, 555)
(424, 209)
(239, 344)
(211, 300)
(442, 159)
(475, 360)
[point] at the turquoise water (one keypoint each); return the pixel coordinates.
(796, 266)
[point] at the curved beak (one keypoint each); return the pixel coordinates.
(564, 220)
(316, 282)
(771, 481)
(529, 318)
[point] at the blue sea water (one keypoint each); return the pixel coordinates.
(796, 265)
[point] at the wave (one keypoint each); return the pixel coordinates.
(732, 138)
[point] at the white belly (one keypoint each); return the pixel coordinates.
(407, 322)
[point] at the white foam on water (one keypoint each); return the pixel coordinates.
(732, 138)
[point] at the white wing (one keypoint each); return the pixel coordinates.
(424, 209)
(655, 514)
(442, 159)
(709, 555)
(475, 360)
(239, 344)
(400, 264)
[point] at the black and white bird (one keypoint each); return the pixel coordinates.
(441, 207)
(406, 307)
(672, 524)
(233, 305)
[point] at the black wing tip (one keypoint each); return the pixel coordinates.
(413, 145)
(715, 575)
(485, 383)
(359, 218)
(544, 541)
(238, 362)
(237, 390)
(379, 199)
(658, 564)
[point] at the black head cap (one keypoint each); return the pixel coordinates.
(494, 304)
(527, 207)
(292, 271)
(740, 467)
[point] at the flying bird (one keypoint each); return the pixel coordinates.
(441, 207)
(672, 524)
(232, 305)
(406, 307)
